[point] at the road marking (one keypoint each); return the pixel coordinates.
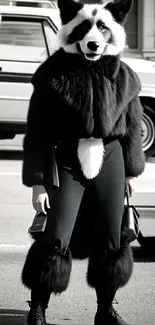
(10, 174)
(13, 246)
(12, 315)
(4, 248)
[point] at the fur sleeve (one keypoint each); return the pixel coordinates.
(35, 142)
(134, 158)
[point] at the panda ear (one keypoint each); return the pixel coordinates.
(119, 9)
(69, 9)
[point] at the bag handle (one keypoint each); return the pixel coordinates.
(127, 197)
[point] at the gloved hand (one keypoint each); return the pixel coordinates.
(40, 199)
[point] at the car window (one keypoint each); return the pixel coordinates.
(29, 3)
(50, 37)
(23, 40)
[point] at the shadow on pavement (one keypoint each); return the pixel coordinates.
(145, 253)
(14, 317)
(11, 155)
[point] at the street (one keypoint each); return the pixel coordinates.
(136, 302)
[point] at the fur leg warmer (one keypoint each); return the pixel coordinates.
(114, 267)
(47, 267)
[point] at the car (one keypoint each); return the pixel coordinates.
(30, 3)
(27, 37)
(145, 69)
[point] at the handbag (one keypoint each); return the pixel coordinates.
(39, 223)
(130, 221)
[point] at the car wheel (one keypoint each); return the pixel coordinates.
(148, 131)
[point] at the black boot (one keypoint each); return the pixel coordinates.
(40, 297)
(107, 273)
(46, 270)
(36, 315)
(108, 316)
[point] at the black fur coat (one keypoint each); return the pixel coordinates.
(74, 98)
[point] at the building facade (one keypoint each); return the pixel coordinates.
(140, 29)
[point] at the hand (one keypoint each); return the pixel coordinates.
(40, 199)
(129, 186)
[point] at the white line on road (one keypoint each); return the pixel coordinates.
(13, 246)
(6, 248)
(10, 174)
(12, 315)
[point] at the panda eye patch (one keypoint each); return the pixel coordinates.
(102, 27)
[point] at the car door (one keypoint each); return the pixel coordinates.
(24, 45)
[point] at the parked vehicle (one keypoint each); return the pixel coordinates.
(146, 72)
(27, 37)
(30, 3)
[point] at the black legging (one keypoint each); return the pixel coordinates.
(107, 199)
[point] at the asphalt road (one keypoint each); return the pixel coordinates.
(78, 304)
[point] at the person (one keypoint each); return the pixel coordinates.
(82, 144)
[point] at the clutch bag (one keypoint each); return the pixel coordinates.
(130, 221)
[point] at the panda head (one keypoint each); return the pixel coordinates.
(93, 30)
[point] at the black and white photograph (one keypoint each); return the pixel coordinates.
(77, 162)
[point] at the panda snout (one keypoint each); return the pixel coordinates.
(93, 46)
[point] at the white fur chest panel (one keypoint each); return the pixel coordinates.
(90, 154)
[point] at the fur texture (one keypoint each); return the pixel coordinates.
(90, 154)
(84, 91)
(68, 15)
(120, 9)
(130, 142)
(77, 99)
(46, 267)
(95, 23)
(114, 266)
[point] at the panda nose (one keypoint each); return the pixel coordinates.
(93, 46)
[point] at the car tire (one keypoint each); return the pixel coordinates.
(148, 131)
